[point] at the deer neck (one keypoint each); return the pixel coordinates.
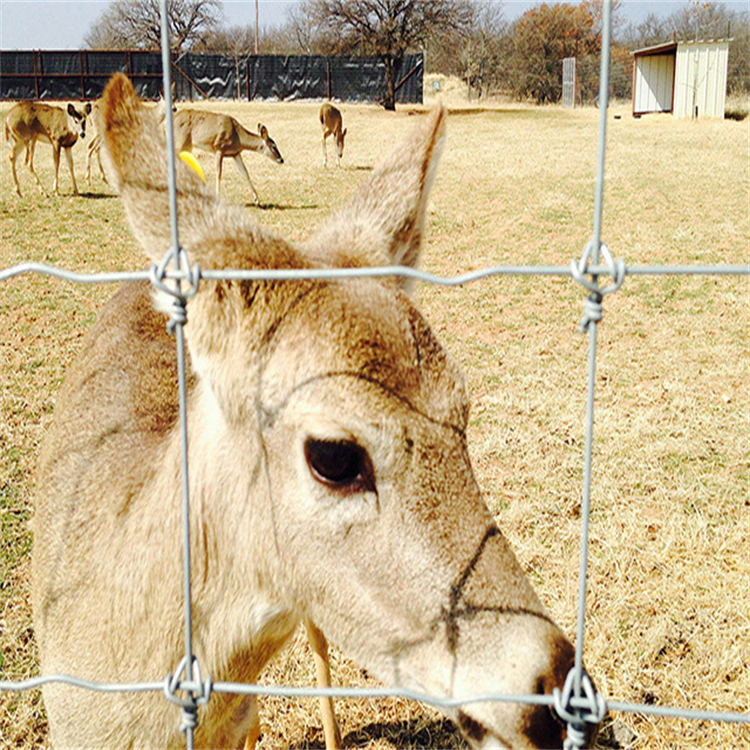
(249, 141)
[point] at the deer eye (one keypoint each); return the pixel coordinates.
(340, 464)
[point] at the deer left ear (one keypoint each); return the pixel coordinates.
(262, 130)
(383, 224)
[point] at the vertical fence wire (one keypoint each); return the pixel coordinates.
(592, 330)
(580, 704)
(177, 322)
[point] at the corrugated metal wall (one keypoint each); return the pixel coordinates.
(652, 90)
(701, 79)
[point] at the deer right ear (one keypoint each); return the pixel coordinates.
(135, 156)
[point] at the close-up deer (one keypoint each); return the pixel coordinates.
(29, 122)
(332, 124)
(223, 136)
(329, 475)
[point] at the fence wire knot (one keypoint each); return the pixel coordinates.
(199, 692)
(592, 309)
(171, 286)
(577, 718)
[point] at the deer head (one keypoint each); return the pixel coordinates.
(271, 150)
(329, 466)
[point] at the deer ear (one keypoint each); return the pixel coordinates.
(136, 162)
(262, 130)
(383, 223)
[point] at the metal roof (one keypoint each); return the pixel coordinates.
(667, 47)
(657, 49)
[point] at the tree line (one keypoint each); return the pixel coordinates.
(470, 39)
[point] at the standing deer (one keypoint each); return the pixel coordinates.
(28, 122)
(332, 123)
(223, 136)
(329, 473)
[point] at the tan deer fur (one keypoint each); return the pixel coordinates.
(332, 124)
(29, 122)
(93, 148)
(329, 473)
(96, 130)
(223, 136)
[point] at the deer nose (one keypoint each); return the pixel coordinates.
(538, 726)
(543, 726)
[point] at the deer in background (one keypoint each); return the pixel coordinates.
(332, 124)
(223, 136)
(28, 122)
(329, 472)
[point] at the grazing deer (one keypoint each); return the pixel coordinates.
(28, 122)
(332, 123)
(223, 136)
(329, 473)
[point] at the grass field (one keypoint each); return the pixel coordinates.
(669, 592)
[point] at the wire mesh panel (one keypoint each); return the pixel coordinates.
(569, 82)
(596, 271)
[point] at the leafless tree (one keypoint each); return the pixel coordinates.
(475, 52)
(387, 29)
(137, 24)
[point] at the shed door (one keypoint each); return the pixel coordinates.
(654, 76)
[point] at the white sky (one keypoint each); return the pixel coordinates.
(62, 24)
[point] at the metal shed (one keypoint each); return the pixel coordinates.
(688, 79)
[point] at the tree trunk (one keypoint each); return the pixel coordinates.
(389, 100)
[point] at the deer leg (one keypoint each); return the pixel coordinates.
(253, 733)
(92, 146)
(99, 159)
(30, 163)
(56, 159)
(241, 166)
(323, 670)
(69, 159)
(325, 151)
(219, 162)
(13, 155)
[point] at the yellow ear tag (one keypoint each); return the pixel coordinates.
(192, 162)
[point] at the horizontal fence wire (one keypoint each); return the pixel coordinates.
(271, 274)
(575, 708)
(289, 691)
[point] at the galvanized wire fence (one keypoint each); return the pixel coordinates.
(578, 703)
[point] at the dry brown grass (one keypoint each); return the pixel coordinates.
(669, 593)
